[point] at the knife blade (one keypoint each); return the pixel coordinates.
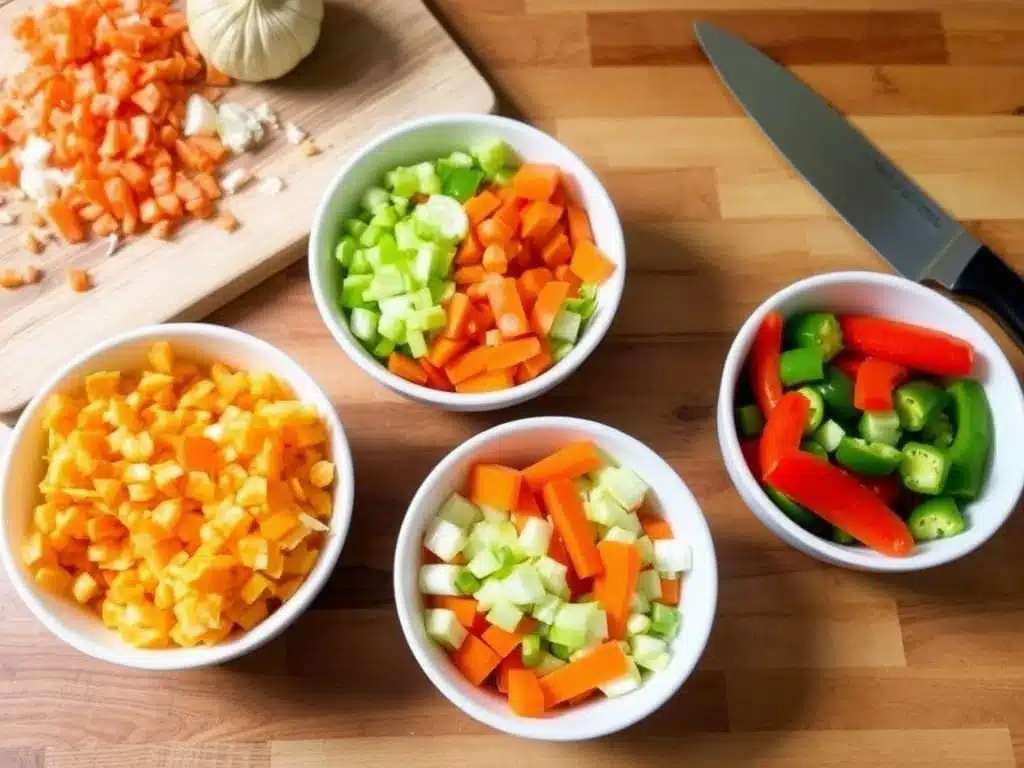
(891, 213)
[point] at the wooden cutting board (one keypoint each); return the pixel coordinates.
(378, 63)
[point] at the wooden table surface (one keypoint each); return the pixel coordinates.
(808, 665)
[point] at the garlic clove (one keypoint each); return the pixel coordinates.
(200, 116)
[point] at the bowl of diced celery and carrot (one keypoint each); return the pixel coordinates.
(870, 422)
(555, 579)
(467, 261)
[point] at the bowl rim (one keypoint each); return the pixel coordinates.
(750, 489)
(540, 729)
(167, 659)
(558, 372)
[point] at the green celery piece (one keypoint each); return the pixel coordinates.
(373, 199)
(560, 349)
(400, 204)
(422, 298)
(363, 323)
(429, 183)
(345, 250)
(417, 343)
(370, 236)
(355, 227)
(566, 326)
(360, 264)
(459, 160)
(403, 182)
(425, 320)
(352, 288)
(406, 237)
(491, 154)
(384, 348)
(386, 217)
(504, 176)
(392, 327)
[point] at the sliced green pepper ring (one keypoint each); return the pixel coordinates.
(924, 468)
(936, 518)
(871, 459)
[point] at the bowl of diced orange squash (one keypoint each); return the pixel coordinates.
(175, 497)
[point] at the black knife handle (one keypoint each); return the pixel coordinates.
(988, 281)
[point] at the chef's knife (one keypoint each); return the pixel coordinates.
(897, 219)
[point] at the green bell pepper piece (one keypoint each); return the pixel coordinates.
(798, 366)
(819, 330)
(749, 420)
(837, 391)
(810, 446)
(870, 459)
(969, 453)
(839, 536)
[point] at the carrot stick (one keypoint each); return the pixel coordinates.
(525, 695)
(590, 265)
(444, 350)
(556, 251)
(509, 315)
(436, 378)
(568, 462)
(602, 665)
(526, 504)
(615, 587)
(509, 354)
(489, 381)
(536, 182)
(494, 232)
(495, 259)
(473, 273)
(502, 642)
(470, 251)
(458, 315)
(670, 589)
(656, 527)
(495, 486)
(566, 275)
(535, 366)
(530, 283)
(467, 366)
(475, 660)
(509, 214)
(539, 218)
(548, 305)
(579, 225)
(566, 511)
(464, 608)
(513, 661)
(481, 206)
(557, 551)
(65, 222)
(407, 368)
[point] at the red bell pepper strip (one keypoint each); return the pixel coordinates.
(886, 488)
(912, 346)
(848, 363)
(764, 363)
(783, 430)
(876, 381)
(751, 448)
(840, 499)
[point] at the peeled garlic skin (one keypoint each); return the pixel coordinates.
(255, 40)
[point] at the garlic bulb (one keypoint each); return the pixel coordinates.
(255, 40)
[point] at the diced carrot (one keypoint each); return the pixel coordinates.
(656, 527)
(509, 354)
(163, 181)
(507, 306)
(549, 303)
(536, 182)
(208, 184)
(470, 274)
(614, 588)
(470, 251)
(495, 260)
(556, 251)
(148, 98)
(149, 211)
(566, 511)
(444, 350)
(489, 381)
(501, 642)
(105, 225)
(525, 696)
(481, 206)
(590, 265)
(539, 218)
(464, 608)
(209, 146)
(468, 365)
(191, 157)
(494, 485)
(558, 196)
(492, 338)
(65, 221)
(90, 212)
(122, 202)
(530, 283)
(169, 204)
(494, 232)
(141, 130)
(605, 663)
(570, 461)
(670, 591)
(526, 504)
(579, 225)
(436, 378)
(509, 214)
(535, 366)
(408, 369)
(9, 171)
(458, 314)
(566, 275)
(476, 660)
(513, 661)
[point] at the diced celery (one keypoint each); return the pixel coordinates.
(405, 236)
(570, 639)
(417, 343)
(403, 182)
(384, 252)
(423, 264)
(597, 626)
(444, 216)
(586, 650)
(383, 348)
(396, 306)
(648, 584)
(483, 564)
(560, 349)
(620, 534)
(546, 609)
(566, 326)
(467, 583)
(422, 298)
(459, 160)
(355, 227)
(505, 615)
(491, 154)
(620, 686)
(444, 627)
(392, 328)
(400, 204)
(664, 620)
(548, 664)
(345, 250)
(374, 198)
(444, 539)
(363, 323)
(370, 235)
(360, 265)
(459, 510)
(631, 523)
(426, 319)
(386, 217)
(574, 617)
(493, 514)
(439, 579)
(646, 550)
(553, 575)
(494, 534)
(603, 508)
(649, 652)
(387, 281)
(531, 650)
(429, 183)
(352, 288)
(504, 177)
(672, 555)
(536, 534)
(490, 593)
(509, 558)
(523, 586)
(625, 485)
(639, 603)
(638, 624)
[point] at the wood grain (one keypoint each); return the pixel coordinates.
(380, 63)
(808, 666)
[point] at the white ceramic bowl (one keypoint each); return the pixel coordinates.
(894, 297)
(23, 468)
(425, 139)
(519, 443)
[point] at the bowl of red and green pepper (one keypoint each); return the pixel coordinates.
(872, 423)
